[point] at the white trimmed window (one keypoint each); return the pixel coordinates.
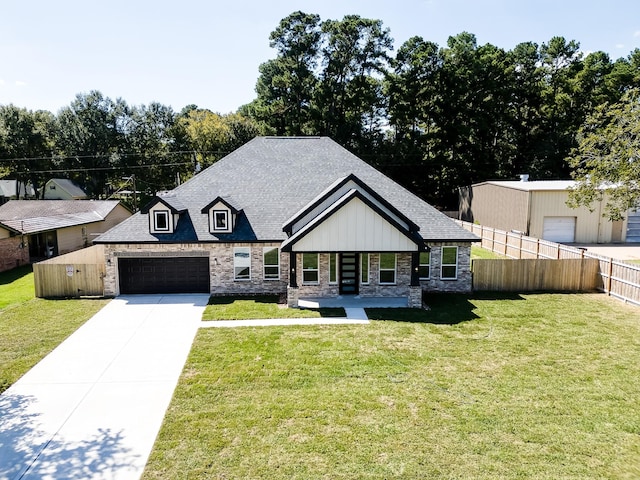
(220, 220)
(310, 270)
(271, 263)
(161, 221)
(387, 269)
(242, 263)
(364, 268)
(449, 263)
(424, 269)
(333, 268)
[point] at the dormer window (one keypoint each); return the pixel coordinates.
(221, 220)
(164, 213)
(222, 216)
(161, 221)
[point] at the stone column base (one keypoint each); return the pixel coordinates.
(415, 297)
(292, 297)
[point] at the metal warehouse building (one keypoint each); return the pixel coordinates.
(539, 209)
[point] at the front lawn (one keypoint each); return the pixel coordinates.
(31, 327)
(16, 286)
(260, 307)
(492, 386)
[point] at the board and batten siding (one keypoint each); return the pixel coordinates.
(331, 199)
(356, 227)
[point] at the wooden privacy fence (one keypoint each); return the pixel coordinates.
(614, 277)
(76, 274)
(527, 275)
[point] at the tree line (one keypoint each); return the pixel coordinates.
(432, 117)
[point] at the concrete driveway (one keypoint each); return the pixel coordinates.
(93, 407)
(619, 251)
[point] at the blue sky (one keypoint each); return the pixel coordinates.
(207, 52)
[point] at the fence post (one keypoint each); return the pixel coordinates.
(537, 248)
(610, 275)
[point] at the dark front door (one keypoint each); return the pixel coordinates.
(348, 274)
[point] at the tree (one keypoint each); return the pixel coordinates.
(27, 142)
(286, 84)
(607, 159)
(91, 135)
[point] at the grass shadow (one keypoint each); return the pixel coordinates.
(14, 274)
(247, 307)
(443, 308)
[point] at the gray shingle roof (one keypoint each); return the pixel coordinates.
(33, 216)
(70, 187)
(270, 179)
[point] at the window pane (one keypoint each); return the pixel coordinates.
(220, 220)
(271, 272)
(309, 260)
(162, 220)
(449, 255)
(449, 272)
(423, 271)
(271, 256)
(425, 258)
(333, 267)
(388, 261)
(242, 273)
(310, 276)
(242, 263)
(387, 276)
(364, 268)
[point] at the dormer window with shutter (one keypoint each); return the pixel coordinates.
(222, 216)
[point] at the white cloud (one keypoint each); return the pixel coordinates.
(636, 33)
(20, 83)
(619, 45)
(1, 82)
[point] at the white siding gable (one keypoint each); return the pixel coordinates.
(355, 227)
(339, 193)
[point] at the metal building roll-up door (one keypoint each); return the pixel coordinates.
(164, 275)
(633, 226)
(559, 229)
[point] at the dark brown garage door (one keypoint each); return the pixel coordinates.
(164, 275)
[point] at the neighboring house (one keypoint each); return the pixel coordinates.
(54, 227)
(14, 189)
(294, 215)
(63, 189)
(539, 209)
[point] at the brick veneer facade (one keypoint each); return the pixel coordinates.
(222, 280)
(13, 253)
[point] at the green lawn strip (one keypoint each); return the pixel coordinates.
(260, 306)
(16, 286)
(32, 329)
(480, 252)
(498, 386)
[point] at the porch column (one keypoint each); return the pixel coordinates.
(415, 269)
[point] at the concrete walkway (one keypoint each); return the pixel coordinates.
(93, 407)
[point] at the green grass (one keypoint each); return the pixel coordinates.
(16, 286)
(479, 252)
(488, 387)
(31, 327)
(260, 306)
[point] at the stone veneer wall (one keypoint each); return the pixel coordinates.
(463, 283)
(222, 275)
(12, 255)
(220, 265)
